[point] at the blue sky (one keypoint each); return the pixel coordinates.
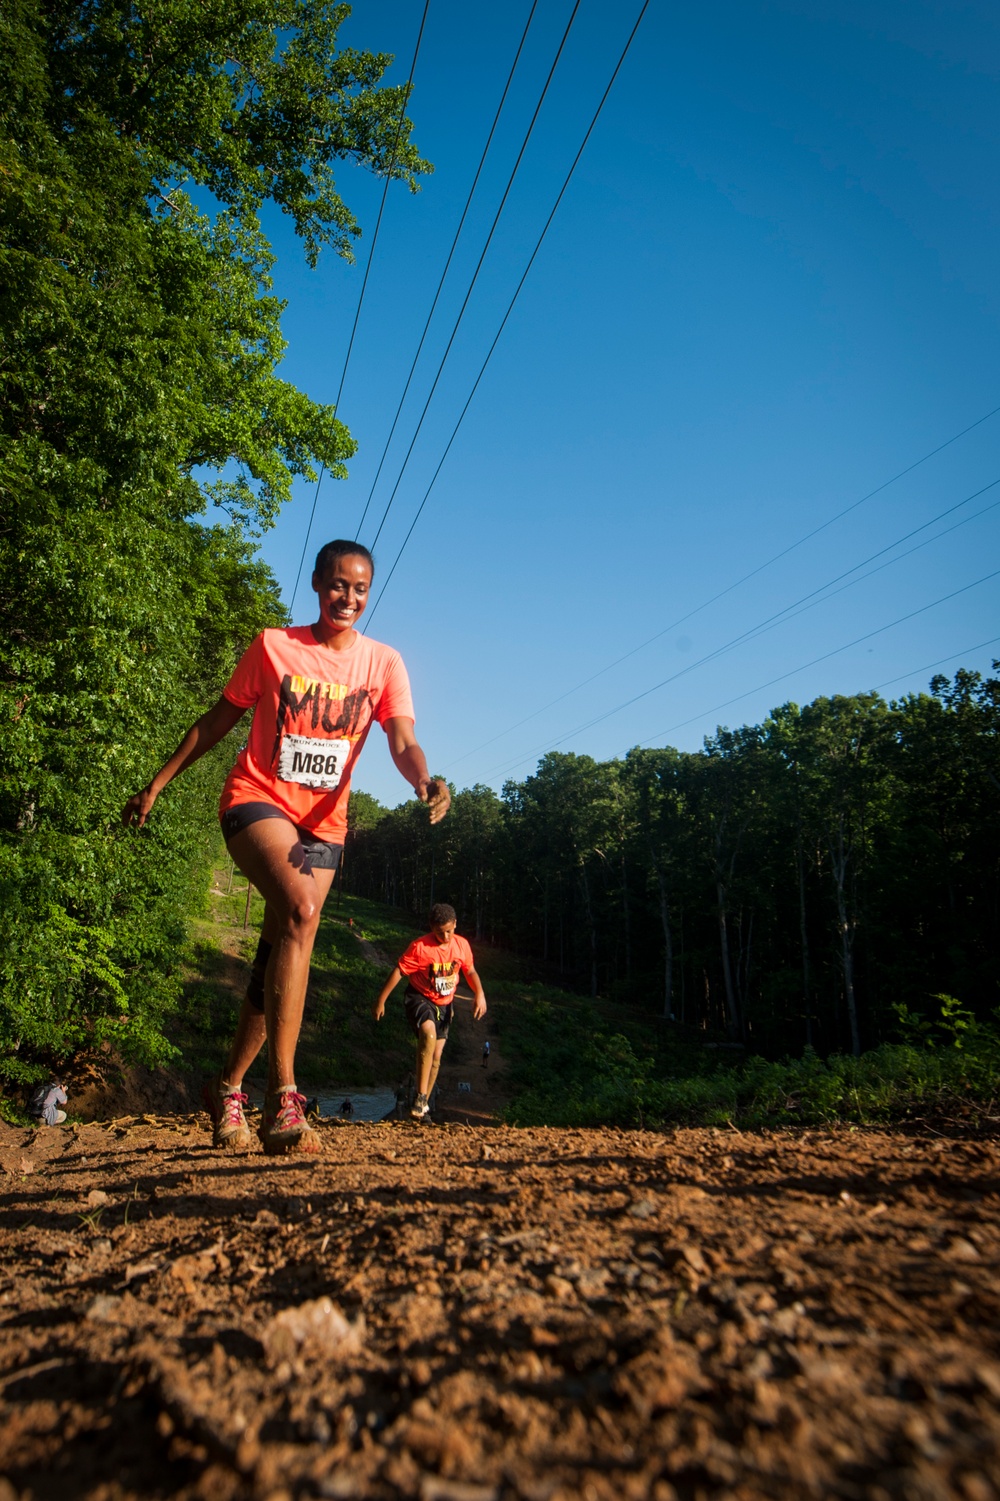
(771, 287)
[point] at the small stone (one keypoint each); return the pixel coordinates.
(342, 1487)
(960, 1249)
(785, 1321)
(139, 1269)
(558, 1287)
(975, 1487)
(421, 1373)
(642, 1209)
(591, 1282)
(319, 1324)
(989, 1377)
(105, 1309)
(685, 1255)
(97, 1199)
(486, 1154)
(101, 1246)
(436, 1488)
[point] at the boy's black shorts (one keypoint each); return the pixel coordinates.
(419, 1009)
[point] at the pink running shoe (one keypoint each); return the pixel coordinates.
(225, 1104)
(283, 1127)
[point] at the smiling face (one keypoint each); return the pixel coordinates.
(343, 590)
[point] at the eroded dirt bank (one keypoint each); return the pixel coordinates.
(531, 1314)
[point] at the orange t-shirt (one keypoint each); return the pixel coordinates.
(313, 709)
(433, 968)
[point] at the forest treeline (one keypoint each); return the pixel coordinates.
(139, 144)
(792, 884)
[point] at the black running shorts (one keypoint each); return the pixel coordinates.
(420, 1009)
(317, 853)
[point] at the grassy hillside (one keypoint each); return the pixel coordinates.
(572, 1061)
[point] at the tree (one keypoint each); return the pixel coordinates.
(141, 342)
(655, 778)
(845, 751)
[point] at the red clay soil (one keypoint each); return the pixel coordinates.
(489, 1314)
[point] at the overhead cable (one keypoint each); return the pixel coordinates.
(475, 274)
(368, 266)
(447, 264)
(808, 601)
(510, 305)
(681, 620)
(823, 658)
(927, 667)
(856, 642)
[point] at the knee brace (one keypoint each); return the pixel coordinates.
(255, 987)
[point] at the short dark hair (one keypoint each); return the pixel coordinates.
(442, 913)
(330, 552)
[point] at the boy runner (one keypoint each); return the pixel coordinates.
(432, 965)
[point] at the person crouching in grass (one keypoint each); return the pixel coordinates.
(432, 966)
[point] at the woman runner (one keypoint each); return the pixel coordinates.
(315, 691)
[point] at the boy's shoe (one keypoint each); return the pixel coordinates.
(224, 1104)
(421, 1108)
(283, 1125)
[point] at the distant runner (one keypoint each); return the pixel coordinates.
(432, 965)
(315, 691)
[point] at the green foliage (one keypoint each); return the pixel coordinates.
(954, 1025)
(139, 385)
(599, 1079)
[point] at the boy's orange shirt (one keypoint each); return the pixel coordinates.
(433, 968)
(313, 709)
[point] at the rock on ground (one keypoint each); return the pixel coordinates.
(455, 1314)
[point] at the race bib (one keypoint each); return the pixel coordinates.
(311, 762)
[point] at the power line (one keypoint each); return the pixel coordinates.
(967, 651)
(510, 305)
(447, 264)
(810, 600)
(803, 666)
(782, 617)
(475, 275)
(585, 682)
(826, 656)
(944, 598)
(368, 265)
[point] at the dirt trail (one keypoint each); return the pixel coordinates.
(514, 1315)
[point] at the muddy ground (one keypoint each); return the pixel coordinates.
(457, 1313)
